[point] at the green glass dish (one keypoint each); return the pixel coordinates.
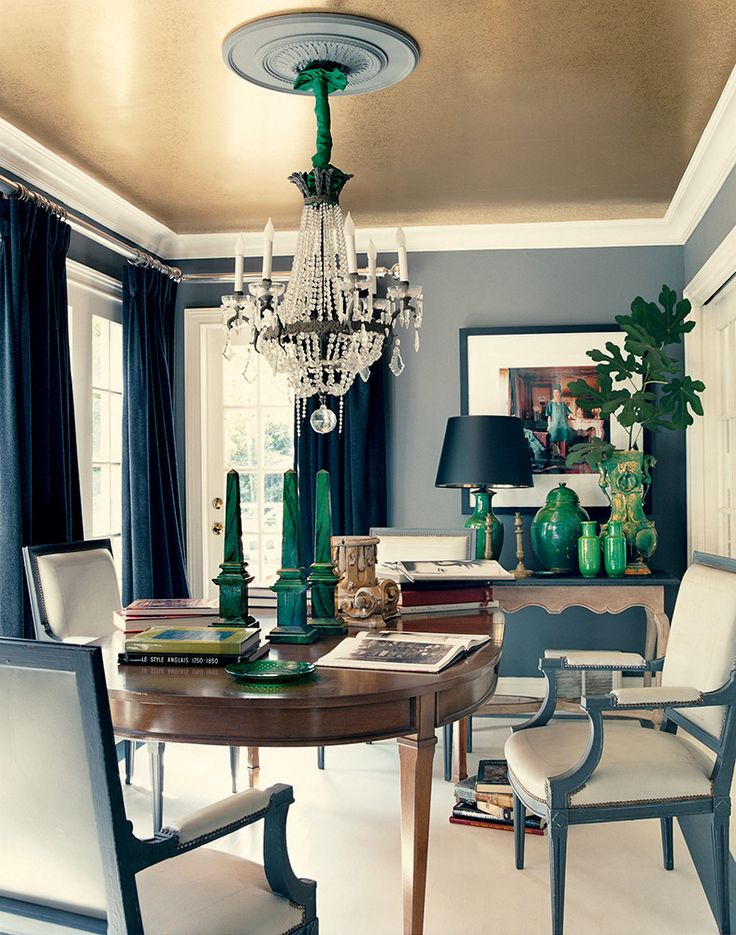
(270, 670)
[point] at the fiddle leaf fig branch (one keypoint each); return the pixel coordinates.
(642, 385)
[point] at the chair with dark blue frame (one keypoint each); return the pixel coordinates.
(74, 593)
(606, 769)
(70, 862)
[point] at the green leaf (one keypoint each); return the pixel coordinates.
(590, 453)
(606, 398)
(678, 398)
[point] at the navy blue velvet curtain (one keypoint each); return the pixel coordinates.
(40, 500)
(356, 460)
(153, 532)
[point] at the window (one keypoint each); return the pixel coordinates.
(97, 377)
(258, 444)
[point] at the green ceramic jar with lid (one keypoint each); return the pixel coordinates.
(556, 529)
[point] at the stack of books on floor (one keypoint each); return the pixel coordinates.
(486, 801)
(179, 611)
(175, 645)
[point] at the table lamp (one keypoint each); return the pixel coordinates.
(483, 452)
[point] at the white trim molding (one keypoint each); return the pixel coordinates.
(41, 168)
(90, 279)
(712, 160)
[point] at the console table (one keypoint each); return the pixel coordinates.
(602, 595)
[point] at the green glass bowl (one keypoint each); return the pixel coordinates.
(270, 670)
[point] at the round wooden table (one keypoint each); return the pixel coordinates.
(334, 706)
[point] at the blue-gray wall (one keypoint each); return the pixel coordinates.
(717, 221)
(524, 288)
(514, 287)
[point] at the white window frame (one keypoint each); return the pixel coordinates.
(702, 458)
(90, 293)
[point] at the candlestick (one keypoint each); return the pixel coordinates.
(403, 261)
(267, 250)
(349, 229)
(239, 251)
(521, 571)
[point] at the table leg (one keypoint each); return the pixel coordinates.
(156, 759)
(658, 631)
(460, 751)
(254, 765)
(415, 766)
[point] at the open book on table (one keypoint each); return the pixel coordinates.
(407, 652)
(443, 570)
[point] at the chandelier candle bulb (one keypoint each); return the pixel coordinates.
(239, 251)
(372, 255)
(349, 228)
(267, 250)
(403, 260)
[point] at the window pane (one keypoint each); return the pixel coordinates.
(273, 485)
(115, 498)
(277, 443)
(236, 390)
(271, 558)
(100, 499)
(248, 488)
(116, 427)
(249, 518)
(241, 438)
(100, 425)
(116, 356)
(100, 351)
(272, 517)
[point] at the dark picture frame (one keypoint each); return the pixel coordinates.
(513, 371)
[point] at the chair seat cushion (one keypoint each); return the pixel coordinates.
(637, 765)
(206, 890)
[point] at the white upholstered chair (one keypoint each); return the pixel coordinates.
(74, 593)
(574, 772)
(70, 861)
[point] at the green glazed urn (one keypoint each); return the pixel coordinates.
(625, 478)
(556, 529)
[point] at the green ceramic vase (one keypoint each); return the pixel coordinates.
(478, 522)
(614, 550)
(625, 477)
(556, 529)
(589, 551)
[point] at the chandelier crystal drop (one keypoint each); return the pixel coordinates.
(330, 323)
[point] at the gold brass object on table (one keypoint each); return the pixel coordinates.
(362, 600)
(521, 571)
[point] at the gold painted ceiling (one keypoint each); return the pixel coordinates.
(519, 110)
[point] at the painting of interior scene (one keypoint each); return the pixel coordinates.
(552, 420)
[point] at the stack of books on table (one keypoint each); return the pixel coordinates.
(486, 801)
(182, 611)
(445, 585)
(175, 645)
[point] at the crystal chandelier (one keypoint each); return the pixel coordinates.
(330, 324)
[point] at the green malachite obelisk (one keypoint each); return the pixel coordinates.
(233, 579)
(322, 577)
(291, 585)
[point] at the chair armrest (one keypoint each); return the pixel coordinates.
(213, 821)
(581, 659)
(656, 697)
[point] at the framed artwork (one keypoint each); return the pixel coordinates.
(525, 372)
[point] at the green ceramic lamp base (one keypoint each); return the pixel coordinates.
(478, 521)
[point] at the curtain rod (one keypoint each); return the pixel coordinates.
(134, 255)
(140, 257)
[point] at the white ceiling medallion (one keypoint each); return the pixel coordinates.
(271, 52)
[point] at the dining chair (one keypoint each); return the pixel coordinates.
(74, 593)
(70, 861)
(574, 771)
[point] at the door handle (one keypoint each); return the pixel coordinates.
(217, 528)
(217, 503)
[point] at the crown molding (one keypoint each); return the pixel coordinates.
(712, 160)
(33, 163)
(93, 281)
(714, 157)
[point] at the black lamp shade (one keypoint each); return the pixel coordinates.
(484, 451)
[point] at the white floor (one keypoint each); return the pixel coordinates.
(344, 833)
